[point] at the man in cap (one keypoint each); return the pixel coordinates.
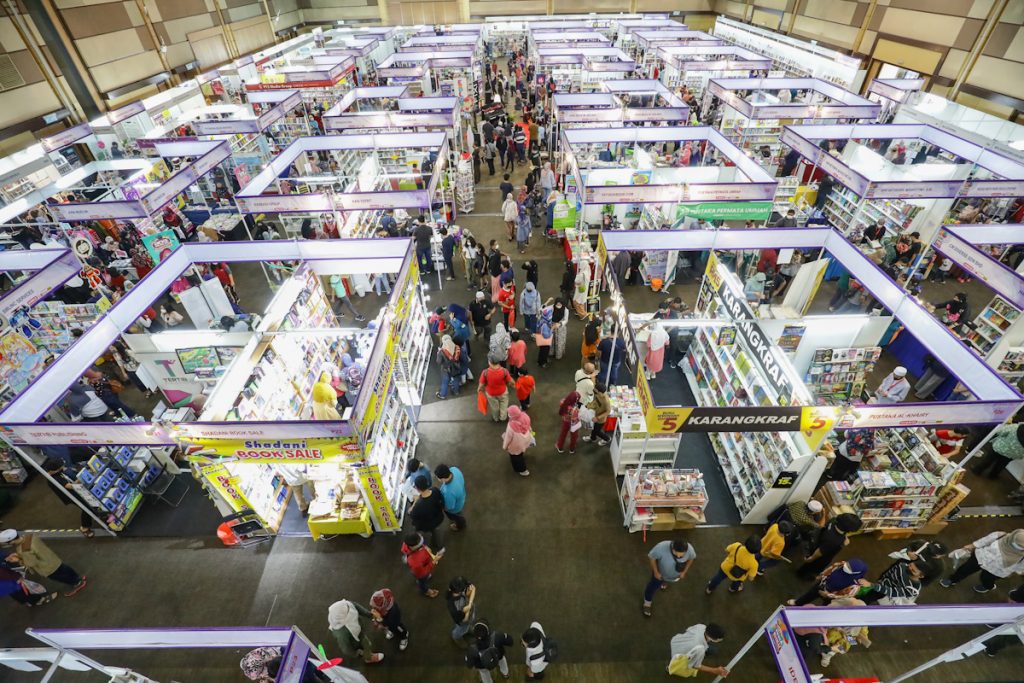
(894, 388)
(480, 312)
(31, 553)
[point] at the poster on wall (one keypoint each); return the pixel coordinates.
(20, 360)
(160, 244)
(791, 336)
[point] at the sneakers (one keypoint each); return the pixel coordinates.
(572, 451)
(402, 644)
(74, 591)
(359, 319)
(431, 593)
(647, 609)
(388, 635)
(559, 449)
(524, 473)
(981, 589)
(760, 573)
(826, 659)
(946, 583)
(438, 395)
(586, 438)
(376, 658)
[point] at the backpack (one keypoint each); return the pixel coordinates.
(482, 659)
(548, 652)
(460, 331)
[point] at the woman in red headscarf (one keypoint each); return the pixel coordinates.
(569, 411)
(388, 616)
(517, 438)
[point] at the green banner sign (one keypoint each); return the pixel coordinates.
(564, 216)
(726, 211)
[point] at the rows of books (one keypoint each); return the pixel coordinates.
(838, 375)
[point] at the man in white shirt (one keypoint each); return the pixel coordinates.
(894, 388)
(296, 478)
(535, 642)
(693, 644)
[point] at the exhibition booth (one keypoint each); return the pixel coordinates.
(368, 173)
(120, 131)
(891, 93)
(321, 79)
(798, 57)
(582, 69)
(244, 403)
(693, 66)
(905, 176)
(789, 379)
(258, 130)
(443, 74)
(751, 111)
(645, 43)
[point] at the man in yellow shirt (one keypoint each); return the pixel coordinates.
(739, 565)
(31, 553)
(773, 544)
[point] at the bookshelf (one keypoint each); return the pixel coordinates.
(985, 331)
(839, 374)
(850, 214)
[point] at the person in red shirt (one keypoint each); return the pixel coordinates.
(227, 280)
(495, 383)
(948, 442)
(525, 385)
(516, 353)
(507, 304)
(421, 562)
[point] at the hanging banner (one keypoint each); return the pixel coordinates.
(66, 137)
(784, 650)
(39, 286)
(384, 518)
(227, 485)
(126, 112)
(160, 244)
(815, 424)
(311, 450)
(564, 216)
(713, 419)
(726, 211)
(993, 273)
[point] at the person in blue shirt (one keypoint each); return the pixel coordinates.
(413, 469)
(453, 490)
(448, 252)
(389, 224)
(612, 350)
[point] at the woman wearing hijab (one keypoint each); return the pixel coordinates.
(517, 438)
(559, 326)
(569, 412)
(388, 616)
(839, 580)
(591, 336)
(954, 309)
(1007, 445)
(529, 306)
(656, 344)
(544, 336)
(449, 357)
(500, 341)
(579, 293)
(348, 624)
(568, 281)
(997, 556)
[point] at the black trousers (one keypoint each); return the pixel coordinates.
(458, 518)
(971, 566)
(490, 166)
(65, 574)
(991, 461)
(392, 621)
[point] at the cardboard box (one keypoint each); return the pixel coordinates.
(663, 521)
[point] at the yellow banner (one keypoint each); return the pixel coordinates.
(643, 392)
(602, 257)
(373, 490)
(815, 424)
(666, 420)
(227, 485)
(311, 450)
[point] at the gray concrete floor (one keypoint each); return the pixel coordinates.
(550, 547)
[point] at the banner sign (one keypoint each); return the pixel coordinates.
(93, 211)
(40, 284)
(918, 189)
(726, 211)
(86, 434)
(998, 277)
(160, 244)
(244, 431)
(227, 485)
(785, 651)
(407, 199)
(713, 419)
(927, 414)
(307, 450)
(66, 137)
(276, 203)
(126, 112)
(384, 518)
(226, 126)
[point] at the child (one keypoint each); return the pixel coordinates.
(524, 388)
(388, 616)
(421, 562)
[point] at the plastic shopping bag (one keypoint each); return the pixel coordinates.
(481, 402)
(680, 666)
(959, 556)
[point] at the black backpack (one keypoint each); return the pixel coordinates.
(548, 652)
(487, 658)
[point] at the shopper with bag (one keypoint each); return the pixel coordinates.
(449, 358)
(689, 649)
(540, 651)
(517, 439)
(31, 553)
(839, 580)
(461, 606)
(569, 411)
(998, 555)
(387, 615)
(348, 623)
(495, 383)
(487, 651)
(602, 409)
(28, 593)
(739, 565)
(497, 347)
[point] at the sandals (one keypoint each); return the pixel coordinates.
(88, 533)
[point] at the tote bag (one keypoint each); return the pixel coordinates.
(680, 666)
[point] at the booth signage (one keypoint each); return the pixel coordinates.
(40, 284)
(293, 664)
(738, 419)
(380, 508)
(785, 480)
(65, 137)
(993, 273)
(921, 189)
(726, 211)
(126, 112)
(785, 651)
(86, 434)
(71, 213)
(227, 485)
(160, 244)
(311, 450)
(927, 414)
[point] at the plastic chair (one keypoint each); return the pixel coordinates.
(162, 485)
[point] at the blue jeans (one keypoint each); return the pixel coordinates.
(652, 588)
(763, 564)
(381, 283)
(530, 321)
(424, 583)
(459, 631)
(719, 577)
(424, 259)
(450, 383)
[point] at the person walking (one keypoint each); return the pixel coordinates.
(529, 306)
(584, 379)
(539, 650)
(670, 562)
(739, 565)
(495, 383)
(480, 312)
(23, 591)
(427, 513)
(423, 234)
(339, 298)
(507, 304)
(547, 180)
(569, 412)
(387, 615)
(510, 214)
(497, 348)
(560, 327)
(421, 561)
(490, 151)
(448, 253)
(690, 647)
(996, 556)
(544, 336)
(347, 622)
(453, 491)
(602, 408)
(461, 600)
(612, 350)
(838, 580)
(833, 537)
(518, 437)
(516, 353)
(31, 553)
(1006, 446)
(773, 545)
(449, 358)
(591, 337)
(902, 582)
(525, 385)
(487, 651)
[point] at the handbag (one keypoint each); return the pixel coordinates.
(734, 567)
(680, 666)
(959, 556)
